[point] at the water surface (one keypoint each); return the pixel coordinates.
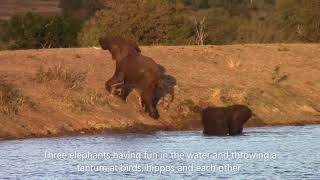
(268, 153)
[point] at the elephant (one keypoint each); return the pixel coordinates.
(132, 71)
(221, 121)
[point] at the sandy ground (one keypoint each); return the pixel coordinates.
(279, 82)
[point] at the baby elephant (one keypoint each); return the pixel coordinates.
(133, 71)
(221, 121)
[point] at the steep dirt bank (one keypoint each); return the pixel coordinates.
(54, 92)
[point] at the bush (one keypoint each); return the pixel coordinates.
(255, 31)
(297, 20)
(3, 44)
(167, 22)
(292, 21)
(33, 31)
(11, 99)
(72, 79)
(143, 21)
(222, 29)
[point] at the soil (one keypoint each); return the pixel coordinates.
(279, 82)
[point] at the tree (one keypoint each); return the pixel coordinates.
(33, 31)
(298, 20)
(144, 21)
(3, 24)
(222, 29)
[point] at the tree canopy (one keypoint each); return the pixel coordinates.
(144, 21)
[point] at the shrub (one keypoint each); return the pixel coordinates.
(87, 100)
(297, 20)
(2, 30)
(11, 99)
(144, 21)
(222, 29)
(72, 79)
(33, 31)
(255, 31)
(292, 21)
(278, 76)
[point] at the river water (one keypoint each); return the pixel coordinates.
(260, 153)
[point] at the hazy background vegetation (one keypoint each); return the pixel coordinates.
(168, 22)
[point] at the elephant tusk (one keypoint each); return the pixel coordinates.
(117, 84)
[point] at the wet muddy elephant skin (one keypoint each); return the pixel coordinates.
(133, 71)
(221, 121)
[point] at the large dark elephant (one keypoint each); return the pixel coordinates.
(221, 121)
(133, 71)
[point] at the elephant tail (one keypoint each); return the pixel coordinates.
(165, 88)
(161, 84)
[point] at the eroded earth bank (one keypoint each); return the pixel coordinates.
(52, 92)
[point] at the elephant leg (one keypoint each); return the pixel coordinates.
(116, 89)
(235, 123)
(108, 86)
(235, 131)
(116, 80)
(147, 98)
(125, 91)
(142, 105)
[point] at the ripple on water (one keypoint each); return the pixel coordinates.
(296, 147)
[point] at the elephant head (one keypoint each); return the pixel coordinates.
(119, 47)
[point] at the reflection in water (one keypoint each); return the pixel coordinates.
(281, 152)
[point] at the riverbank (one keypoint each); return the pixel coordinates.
(53, 92)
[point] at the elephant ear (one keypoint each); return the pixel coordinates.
(134, 46)
(137, 49)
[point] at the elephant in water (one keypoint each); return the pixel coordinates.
(221, 121)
